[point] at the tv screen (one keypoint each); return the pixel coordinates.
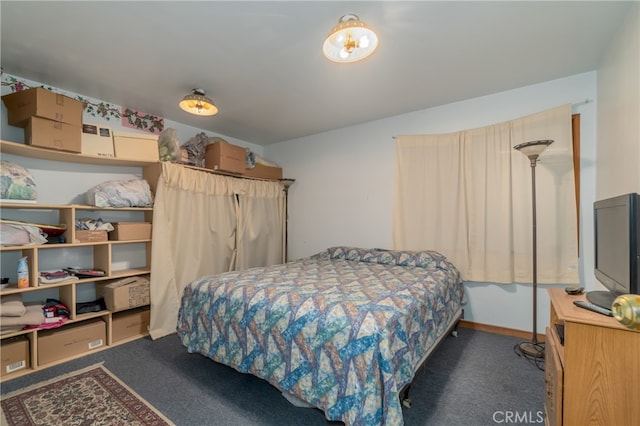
(617, 250)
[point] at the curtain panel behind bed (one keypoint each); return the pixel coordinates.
(468, 195)
(200, 227)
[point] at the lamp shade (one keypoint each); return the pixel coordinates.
(198, 103)
(533, 149)
(350, 41)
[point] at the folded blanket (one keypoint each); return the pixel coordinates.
(33, 316)
(12, 306)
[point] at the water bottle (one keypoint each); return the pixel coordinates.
(23, 272)
(626, 309)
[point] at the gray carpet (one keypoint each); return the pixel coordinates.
(473, 379)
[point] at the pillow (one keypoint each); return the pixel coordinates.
(421, 259)
(16, 182)
(122, 193)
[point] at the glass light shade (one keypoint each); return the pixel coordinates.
(198, 104)
(350, 41)
(287, 182)
(533, 149)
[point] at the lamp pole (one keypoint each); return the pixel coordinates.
(533, 150)
(534, 238)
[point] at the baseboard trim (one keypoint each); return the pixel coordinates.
(499, 330)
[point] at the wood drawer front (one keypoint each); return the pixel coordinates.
(554, 376)
(600, 378)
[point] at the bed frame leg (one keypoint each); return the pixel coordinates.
(454, 332)
(406, 401)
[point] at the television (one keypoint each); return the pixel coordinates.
(617, 247)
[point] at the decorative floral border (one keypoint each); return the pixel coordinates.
(129, 117)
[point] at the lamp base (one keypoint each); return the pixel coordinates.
(530, 349)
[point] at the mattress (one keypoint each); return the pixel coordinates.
(343, 330)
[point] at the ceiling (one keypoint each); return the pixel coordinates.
(261, 62)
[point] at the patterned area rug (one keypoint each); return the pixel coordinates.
(92, 396)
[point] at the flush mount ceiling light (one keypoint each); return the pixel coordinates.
(198, 104)
(350, 41)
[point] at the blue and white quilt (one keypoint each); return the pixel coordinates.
(343, 330)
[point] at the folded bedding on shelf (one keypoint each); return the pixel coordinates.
(32, 316)
(12, 306)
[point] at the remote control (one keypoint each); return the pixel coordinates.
(595, 308)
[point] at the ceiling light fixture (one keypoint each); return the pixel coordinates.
(198, 103)
(350, 41)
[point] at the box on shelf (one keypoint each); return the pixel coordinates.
(127, 231)
(135, 146)
(70, 340)
(39, 102)
(15, 355)
(128, 324)
(51, 134)
(225, 157)
(126, 293)
(264, 172)
(97, 140)
(93, 236)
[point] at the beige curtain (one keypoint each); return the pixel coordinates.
(468, 195)
(195, 233)
(261, 221)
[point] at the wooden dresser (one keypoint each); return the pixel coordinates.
(593, 376)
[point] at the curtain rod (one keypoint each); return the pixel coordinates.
(575, 104)
(586, 101)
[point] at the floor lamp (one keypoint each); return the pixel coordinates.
(533, 150)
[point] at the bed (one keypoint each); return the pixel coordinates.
(344, 330)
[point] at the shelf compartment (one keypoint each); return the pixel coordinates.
(119, 259)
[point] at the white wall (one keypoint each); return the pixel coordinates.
(343, 194)
(618, 147)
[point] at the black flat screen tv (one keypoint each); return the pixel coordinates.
(617, 247)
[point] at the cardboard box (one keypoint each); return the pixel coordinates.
(225, 157)
(135, 146)
(127, 231)
(53, 135)
(97, 140)
(129, 324)
(39, 102)
(70, 340)
(126, 293)
(264, 172)
(91, 236)
(15, 355)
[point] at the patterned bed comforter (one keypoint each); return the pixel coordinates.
(343, 330)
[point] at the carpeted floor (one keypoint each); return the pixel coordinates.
(474, 379)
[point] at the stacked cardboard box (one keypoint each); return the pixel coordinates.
(135, 146)
(264, 172)
(70, 340)
(50, 120)
(129, 231)
(97, 140)
(225, 157)
(126, 293)
(129, 324)
(14, 354)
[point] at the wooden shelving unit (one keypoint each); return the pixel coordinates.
(102, 253)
